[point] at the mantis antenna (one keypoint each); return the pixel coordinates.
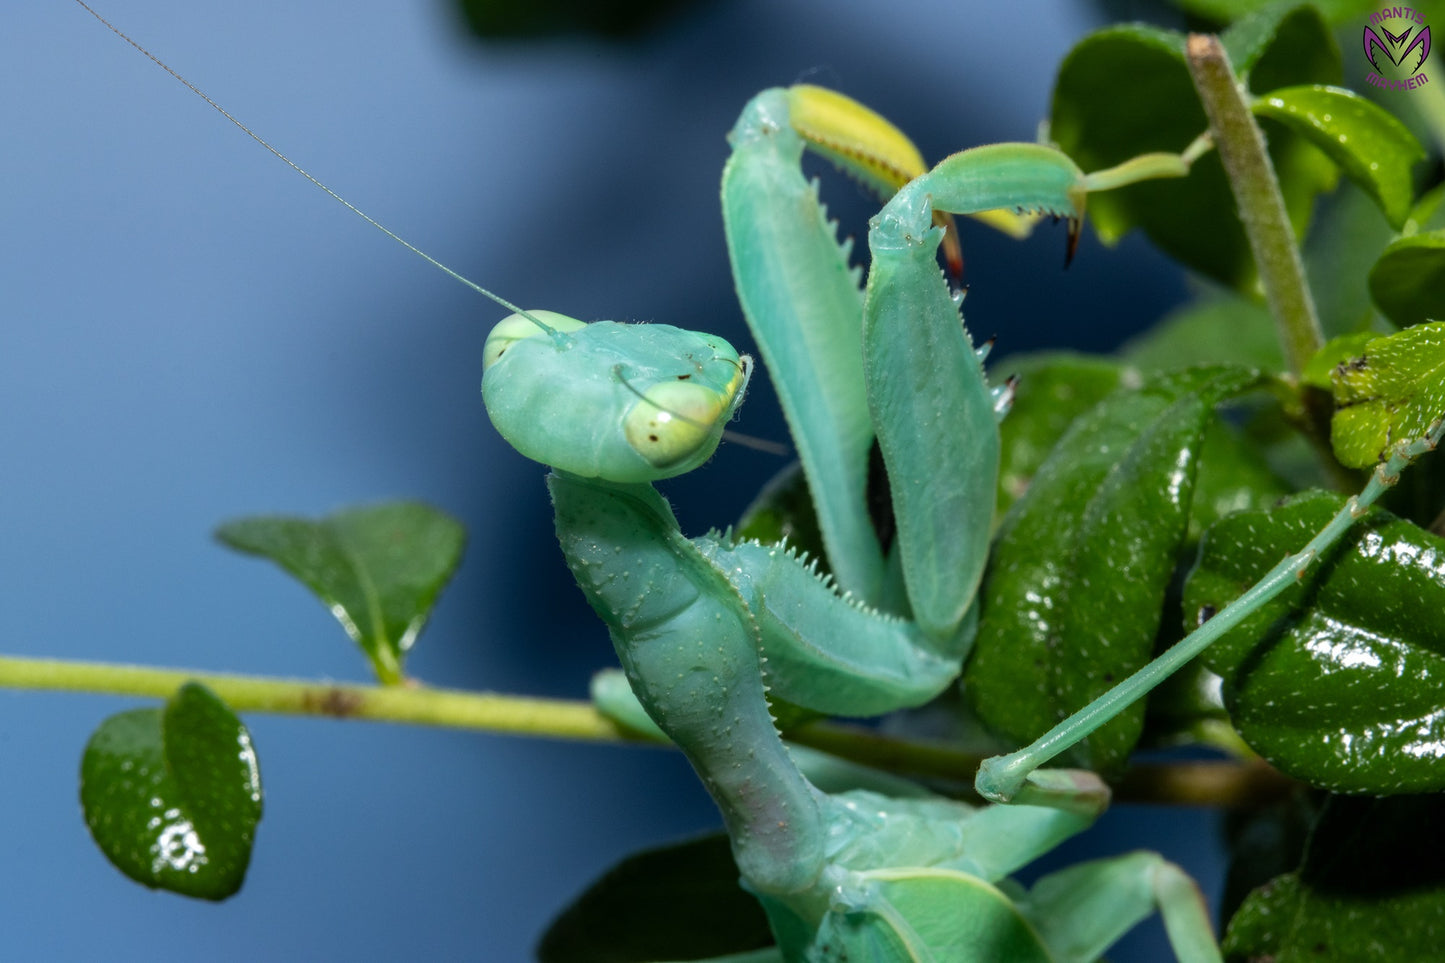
(551, 331)
(556, 335)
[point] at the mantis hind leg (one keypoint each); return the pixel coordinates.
(1081, 911)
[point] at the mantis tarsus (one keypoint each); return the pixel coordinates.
(879, 906)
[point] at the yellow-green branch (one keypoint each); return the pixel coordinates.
(1223, 784)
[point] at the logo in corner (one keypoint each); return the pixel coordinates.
(1398, 43)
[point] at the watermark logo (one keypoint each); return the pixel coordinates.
(1392, 36)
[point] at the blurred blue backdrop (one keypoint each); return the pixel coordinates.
(193, 333)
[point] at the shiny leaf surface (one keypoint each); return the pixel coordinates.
(1374, 149)
(1337, 681)
(172, 796)
(378, 569)
(1076, 586)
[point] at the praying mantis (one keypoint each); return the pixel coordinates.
(937, 631)
(708, 629)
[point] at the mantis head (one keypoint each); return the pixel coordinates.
(623, 403)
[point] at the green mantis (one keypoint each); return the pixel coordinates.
(709, 629)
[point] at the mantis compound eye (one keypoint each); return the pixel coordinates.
(673, 420)
(519, 327)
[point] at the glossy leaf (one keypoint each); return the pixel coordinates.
(1371, 889)
(172, 796)
(1191, 218)
(1392, 393)
(1374, 149)
(1076, 586)
(1053, 389)
(679, 902)
(1337, 682)
(1407, 283)
(378, 569)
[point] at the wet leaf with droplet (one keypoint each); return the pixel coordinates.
(1076, 586)
(1337, 681)
(172, 796)
(1374, 149)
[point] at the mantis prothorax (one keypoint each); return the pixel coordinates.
(707, 629)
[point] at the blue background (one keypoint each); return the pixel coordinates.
(192, 333)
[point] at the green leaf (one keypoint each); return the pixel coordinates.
(1350, 235)
(1233, 477)
(1392, 393)
(1053, 389)
(172, 796)
(1281, 44)
(1226, 330)
(1076, 586)
(1371, 890)
(1407, 283)
(1193, 218)
(378, 569)
(1428, 213)
(1337, 681)
(679, 902)
(1224, 11)
(1374, 149)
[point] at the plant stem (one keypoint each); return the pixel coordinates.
(1223, 784)
(1257, 196)
(415, 705)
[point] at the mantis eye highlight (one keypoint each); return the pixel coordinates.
(673, 419)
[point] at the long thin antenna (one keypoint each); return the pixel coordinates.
(304, 173)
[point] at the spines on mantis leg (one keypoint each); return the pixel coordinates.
(833, 655)
(689, 648)
(805, 308)
(934, 414)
